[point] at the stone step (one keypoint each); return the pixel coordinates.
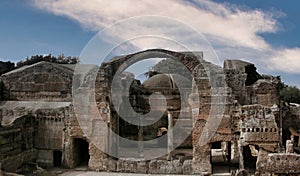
(222, 174)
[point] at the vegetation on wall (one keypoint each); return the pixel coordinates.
(61, 59)
(6, 67)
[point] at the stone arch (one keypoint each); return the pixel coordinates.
(189, 59)
(206, 75)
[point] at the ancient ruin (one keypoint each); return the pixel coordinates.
(224, 116)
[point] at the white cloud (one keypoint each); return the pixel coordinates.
(233, 30)
(236, 26)
(286, 60)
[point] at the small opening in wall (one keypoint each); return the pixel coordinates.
(296, 140)
(57, 157)
(216, 145)
(250, 162)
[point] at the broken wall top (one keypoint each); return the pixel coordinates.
(40, 81)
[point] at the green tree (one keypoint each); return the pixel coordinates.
(290, 94)
(6, 67)
(61, 59)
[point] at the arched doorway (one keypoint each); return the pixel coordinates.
(81, 152)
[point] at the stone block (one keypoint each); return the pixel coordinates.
(187, 167)
(111, 165)
(132, 166)
(165, 167)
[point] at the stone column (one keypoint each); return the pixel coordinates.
(170, 135)
(241, 158)
(108, 139)
(109, 135)
(141, 142)
(289, 146)
(202, 160)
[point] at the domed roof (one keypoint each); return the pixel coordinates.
(167, 81)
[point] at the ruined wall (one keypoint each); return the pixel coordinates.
(248, 86)
(88, 121)
(40, 81)
(240, 77)
(214, 105)
(41, 136)
(50, 125)
(266, 92)
(16, 144)
(278, 163)
(258, 125)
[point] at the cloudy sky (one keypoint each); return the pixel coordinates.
(265, 33)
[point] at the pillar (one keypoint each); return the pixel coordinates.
(241, 158)
(141, 142)
(289, 146)
(170, 135)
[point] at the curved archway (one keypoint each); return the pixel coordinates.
(208, 83)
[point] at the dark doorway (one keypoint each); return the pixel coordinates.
(249, 160)
(57, 156)
(296, 141)
(220, 157)
(216, 145)
(81, 152)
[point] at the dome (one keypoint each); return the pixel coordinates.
(167, 81)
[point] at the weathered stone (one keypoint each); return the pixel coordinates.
(132, 165)
(187, 167)
(280, 163)
(165, 167)
(289, 146)
(111, 165)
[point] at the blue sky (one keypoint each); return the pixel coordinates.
(290, 22)
(265, 33)
(26, 31)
